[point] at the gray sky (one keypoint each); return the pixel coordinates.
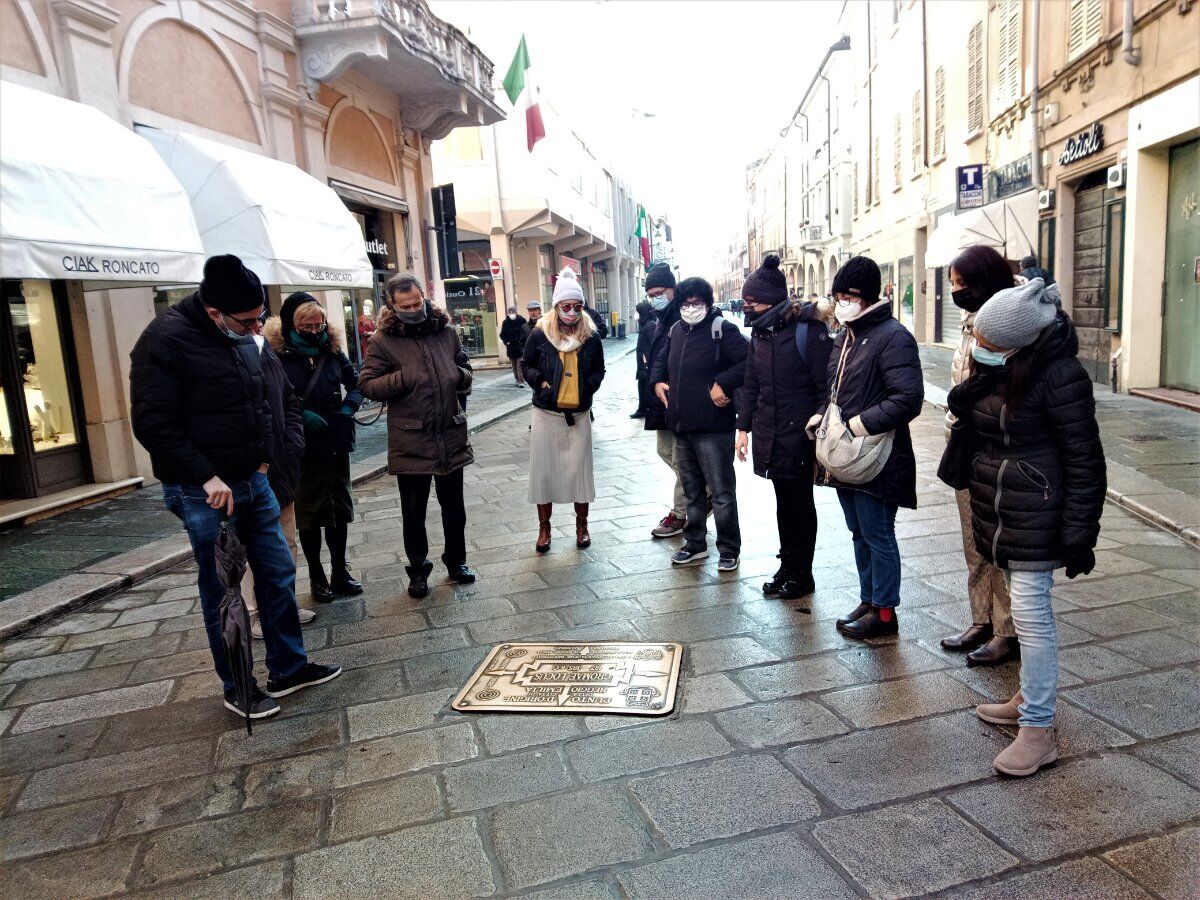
(721, 76)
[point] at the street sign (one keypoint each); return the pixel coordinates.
(969, 180)
(496, 268)
(573, 677)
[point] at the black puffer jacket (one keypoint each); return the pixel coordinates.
(512, 335)
(647, 329)
(287, 432)
(656, 413)
(198, 400)
(541, 363)
(691, 362)
(1039, 478)
(782, 391)
(881, 382)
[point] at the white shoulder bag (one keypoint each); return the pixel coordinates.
(849, 459)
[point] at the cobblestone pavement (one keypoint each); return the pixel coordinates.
(799, 764)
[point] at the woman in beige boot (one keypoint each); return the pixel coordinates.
(1037, 488)
(563, 362)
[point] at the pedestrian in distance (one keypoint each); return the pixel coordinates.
(512, 334)
(785, 385)
(1037, 484)
(534, 309)
(1031, 269)
(977, 274)
(201, 409)
(875, 380)
(564, 364)
(696, 376)
(287, 432)
(647, 322)
(321, 374)
(416, 364)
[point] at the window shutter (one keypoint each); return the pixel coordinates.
(975, 78)
(939, 113)
(856, 189)
(898, 151)
(875, 178)
(1008, 53)
(918, 132)
(1084, 31)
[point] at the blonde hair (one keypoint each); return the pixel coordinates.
(308, 307)
(550, 324)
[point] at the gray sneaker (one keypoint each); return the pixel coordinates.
(261, 706)
(727, 564)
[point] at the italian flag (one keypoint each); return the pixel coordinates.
(518, 84)
(643, 234)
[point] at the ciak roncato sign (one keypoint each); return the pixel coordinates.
(1083, 144)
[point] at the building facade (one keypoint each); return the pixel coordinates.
(296, 103)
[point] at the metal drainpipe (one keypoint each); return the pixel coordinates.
(1034, 108)
(1131, 55)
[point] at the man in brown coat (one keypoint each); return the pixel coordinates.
(416, 364)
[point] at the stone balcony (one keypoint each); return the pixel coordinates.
(442, 79)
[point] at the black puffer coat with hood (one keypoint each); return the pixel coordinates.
(1039, 478)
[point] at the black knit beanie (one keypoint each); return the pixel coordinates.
(229, 286)
(860, 277)
(766, 284)
(287, 312)
(660, 275)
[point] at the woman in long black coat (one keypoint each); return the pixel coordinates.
(785, 385)
(875, 379)
(1037, 484)
(319, 370)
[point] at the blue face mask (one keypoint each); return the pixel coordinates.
(661, 302)
(986, 357)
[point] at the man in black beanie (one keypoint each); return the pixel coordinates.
(201, 409)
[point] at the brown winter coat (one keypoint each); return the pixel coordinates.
(419, 371)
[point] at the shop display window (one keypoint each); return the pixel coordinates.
(41, 368)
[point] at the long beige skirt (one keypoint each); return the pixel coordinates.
(560, 458)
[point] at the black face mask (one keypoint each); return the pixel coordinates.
(968, 298)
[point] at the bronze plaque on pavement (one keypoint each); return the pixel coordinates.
(573, 677)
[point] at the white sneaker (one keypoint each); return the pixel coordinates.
(306, 615)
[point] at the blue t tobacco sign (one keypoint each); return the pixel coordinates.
(969, 194)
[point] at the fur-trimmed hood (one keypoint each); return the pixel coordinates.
(435, 320)
(273, 332)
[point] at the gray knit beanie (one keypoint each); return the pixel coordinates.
(1014, 317)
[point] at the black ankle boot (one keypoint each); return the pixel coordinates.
(418, 579)
(321, 592)
(344, 583)
(872, 625)
(460, 573)
(854, 615)
(969, 639)
(771, 588)
(797, 585)
(996, 651)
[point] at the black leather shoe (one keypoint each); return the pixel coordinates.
(996, 651)
(771, 588)
(345, 584)
(871, 625)
(321, 592)
(418, 579)
(461, 574)
(973, 637)
(854, 615)
(797, 585)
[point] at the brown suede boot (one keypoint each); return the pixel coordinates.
(1033, 748)
(543, 538)
(1000, 713)
(582, 538)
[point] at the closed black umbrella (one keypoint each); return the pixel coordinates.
(235, 619)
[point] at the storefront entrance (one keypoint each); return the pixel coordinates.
(1181, 303)
(42, 446)
(1099, 236)
(471, 303)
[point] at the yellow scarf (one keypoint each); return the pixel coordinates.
(568, 391)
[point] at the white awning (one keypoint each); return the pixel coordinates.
(286, 226)
(84, 198)
(1009, 226)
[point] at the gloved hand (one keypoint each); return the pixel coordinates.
(347, 410)
(1079, 562)
(313, 422)
(811, 428)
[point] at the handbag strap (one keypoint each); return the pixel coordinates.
(837, 381)
(312, 381)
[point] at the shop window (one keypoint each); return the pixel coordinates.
(1114, 256)
(918, 132)
(166, 297)
(41, 370)
(1084, 31)
(975, 79)
(939, 113)
(1046, 230)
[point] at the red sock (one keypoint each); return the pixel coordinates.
(885, 613)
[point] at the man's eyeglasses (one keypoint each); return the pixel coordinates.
(248, 324)
(312, 328)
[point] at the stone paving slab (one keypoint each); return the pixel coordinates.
(785, 734)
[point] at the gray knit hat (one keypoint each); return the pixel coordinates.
(1014, 317)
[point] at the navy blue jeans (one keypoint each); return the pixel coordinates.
(872, 524)
(705, 460)
(256, 519)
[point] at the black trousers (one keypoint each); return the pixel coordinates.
(644, 392)
(414, 501)
(796, 515)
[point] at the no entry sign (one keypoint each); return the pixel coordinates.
(496, 268)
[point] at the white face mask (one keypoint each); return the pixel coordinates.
(693, 315)
(261, 341)
(847, 312)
